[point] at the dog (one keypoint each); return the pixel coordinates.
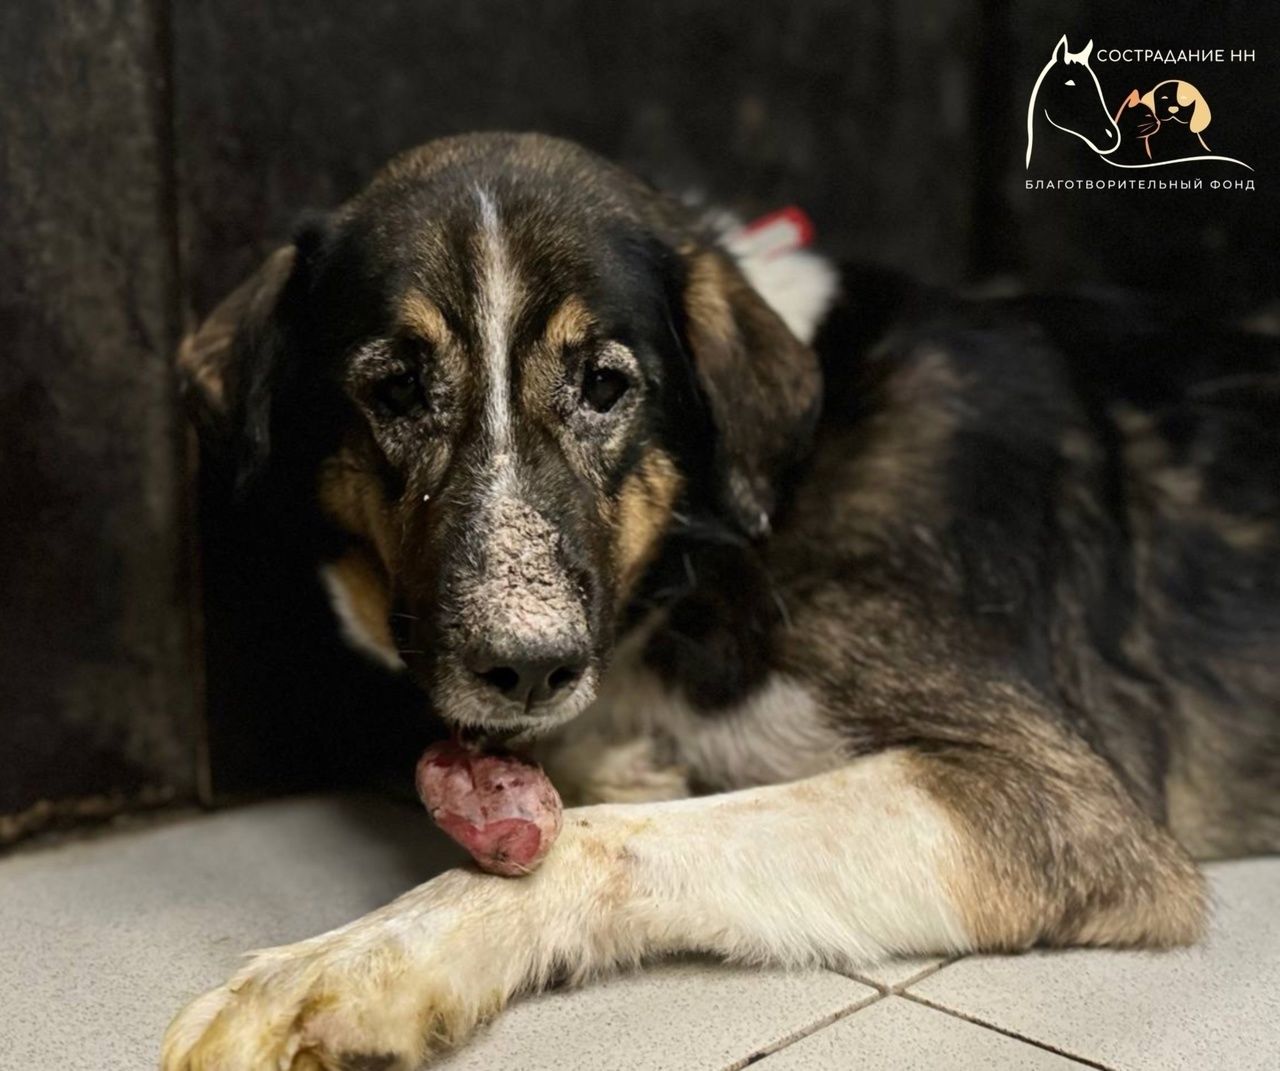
(883, 621)
(1183, 115)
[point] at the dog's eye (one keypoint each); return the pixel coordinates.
(401, 395)
(603, 387)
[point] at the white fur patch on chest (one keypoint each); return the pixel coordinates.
(641, 739)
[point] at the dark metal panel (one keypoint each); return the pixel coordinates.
(95, 688)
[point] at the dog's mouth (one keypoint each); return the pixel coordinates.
(480, 739)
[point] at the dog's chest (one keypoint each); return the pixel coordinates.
(643, 739)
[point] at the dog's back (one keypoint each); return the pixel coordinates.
(1099, 493)
(1196, 418)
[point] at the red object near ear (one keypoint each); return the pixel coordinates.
(781, 231)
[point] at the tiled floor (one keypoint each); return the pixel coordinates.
(102, 940)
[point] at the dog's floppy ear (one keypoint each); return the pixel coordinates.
(231, 365)
(1200, 114)
(216, 359)
(763, 386)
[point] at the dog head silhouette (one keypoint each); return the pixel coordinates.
(1180, 102)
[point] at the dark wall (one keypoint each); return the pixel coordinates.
(284, 106)
(154, 152)
(96, 680)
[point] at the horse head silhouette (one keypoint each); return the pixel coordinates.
(1067, 96)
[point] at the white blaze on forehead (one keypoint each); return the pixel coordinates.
(495, 306)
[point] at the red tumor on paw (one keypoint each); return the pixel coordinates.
(503, 809)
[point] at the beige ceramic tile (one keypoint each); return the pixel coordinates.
(683, 1016)
(103, 941)
(1201, 1009)
(896, 1034)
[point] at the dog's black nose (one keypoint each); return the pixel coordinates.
(527, 677)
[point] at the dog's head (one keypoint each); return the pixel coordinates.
(1179, 102)
(514, 367)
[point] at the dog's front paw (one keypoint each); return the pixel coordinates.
(361, 997)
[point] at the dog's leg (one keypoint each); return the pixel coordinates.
(897, 852)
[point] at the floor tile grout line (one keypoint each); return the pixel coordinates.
(895, 987)
(1005, 1031)
(928, 972)
(879, 987)
(808, 1031)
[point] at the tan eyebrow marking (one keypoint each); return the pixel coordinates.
(420, 314)
(570, 324)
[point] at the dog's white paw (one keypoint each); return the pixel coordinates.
(380, 995)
